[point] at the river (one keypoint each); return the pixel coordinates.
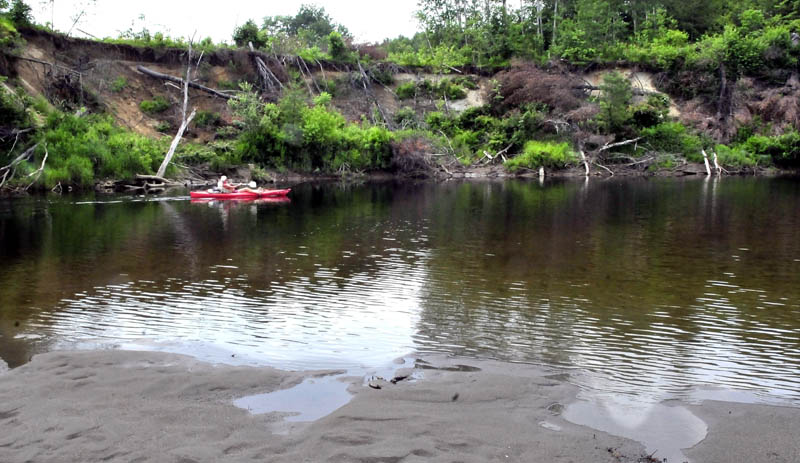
(654, 288)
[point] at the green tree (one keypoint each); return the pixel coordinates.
(311, 25)
(248, 32)
(336, 46)
(614, 102)
(20, 13)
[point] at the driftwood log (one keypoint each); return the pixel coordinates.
(180, 81)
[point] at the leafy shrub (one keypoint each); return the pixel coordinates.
(12, 108)
(672, 137)
(467, 82)
(441, 58)
(249, 33)
(84, 148)
(451, 90)
(406, 118)
(337, 48)
(738, 156)
(8, 34)
(227, 85)
(119, 84)
(207, 119)
(406, 90)
(313, 53)
(784, 150)
(157, 105)
(650, 113)
(437, 120)
(163, 126)
(292, 134)
(542, 154)
(382, 75)
(444, 89)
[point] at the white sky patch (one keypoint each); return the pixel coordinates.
(368, 21)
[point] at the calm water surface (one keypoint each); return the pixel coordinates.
(645, 287)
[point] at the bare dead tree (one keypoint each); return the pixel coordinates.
(8, 171)
(180, 81)
(185, 121)
(366, 82)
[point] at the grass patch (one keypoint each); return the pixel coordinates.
(157, 105)
(542, 154)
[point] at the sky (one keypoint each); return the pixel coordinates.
(368, 21)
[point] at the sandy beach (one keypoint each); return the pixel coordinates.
(123, 406)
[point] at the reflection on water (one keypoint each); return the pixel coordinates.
(645, 287)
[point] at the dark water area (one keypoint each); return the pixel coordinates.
(646, 287)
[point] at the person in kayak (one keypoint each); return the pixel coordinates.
(223, 186)
(251, 188)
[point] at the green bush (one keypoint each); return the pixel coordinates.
(784, 150)
(672, 137)
(406, 118)
(227, 85)
(468, 82)
(157, 105)
(249, 33)
(12, 108)
(437, 120)
(207, 119)
(542, 154)
(293, 134)
(337, 48)
(119, 84)
(9, 36)
(451, 90)
(406, 90)
(738, 156)
(445, 88)
(84, 148)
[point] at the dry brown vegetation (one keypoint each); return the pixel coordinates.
(412, 157)
(527, 83)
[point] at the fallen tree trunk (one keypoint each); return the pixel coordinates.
(705, 160)
(174, 145)
(367, 84)
(266, 74)
(594, 88)
(585, 162)
(178, 80)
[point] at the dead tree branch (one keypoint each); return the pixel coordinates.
(38, 172)
(585, 162)
(10, 169)
(180, 81)
(603, 167)
(608, 146)
(184, 120)
(267, 76)
(366, 83)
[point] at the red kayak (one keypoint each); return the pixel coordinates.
(240, 194)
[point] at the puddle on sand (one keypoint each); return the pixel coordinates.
(663, 430)
(318, 397)
(311, 400)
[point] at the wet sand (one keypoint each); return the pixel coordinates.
(144, 406)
